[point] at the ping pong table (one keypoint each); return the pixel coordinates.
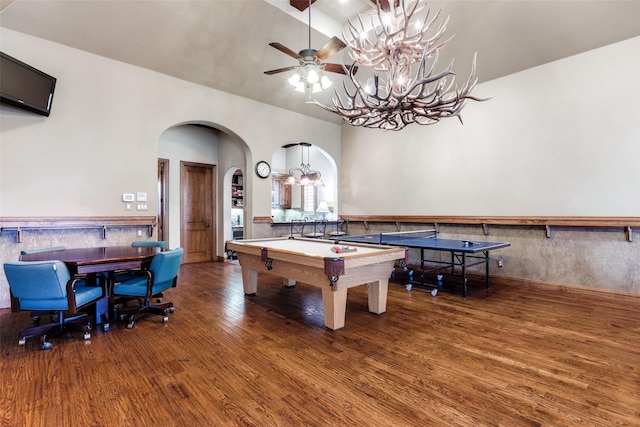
(464, 253)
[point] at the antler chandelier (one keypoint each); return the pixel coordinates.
(401, 45)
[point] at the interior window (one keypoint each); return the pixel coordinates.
(309, 198)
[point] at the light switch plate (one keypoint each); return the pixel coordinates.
(127, 197)
(142, 197)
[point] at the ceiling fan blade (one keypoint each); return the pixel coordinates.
(331, 47)
(339, 68)
(285, 50)
(281, 70)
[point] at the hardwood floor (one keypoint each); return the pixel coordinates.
(523, 356)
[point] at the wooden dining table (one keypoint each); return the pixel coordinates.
(99, 260)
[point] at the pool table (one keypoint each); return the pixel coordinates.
(316, 263)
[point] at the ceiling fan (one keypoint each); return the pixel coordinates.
(311, 57)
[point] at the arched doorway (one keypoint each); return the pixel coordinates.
(202, 143)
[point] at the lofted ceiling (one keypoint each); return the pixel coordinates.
(224, 44)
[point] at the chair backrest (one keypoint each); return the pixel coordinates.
(150, 244)
(344, 227)
(320, 227)
(41, 250)
(38, 284)
(297, 227)
(165, 266)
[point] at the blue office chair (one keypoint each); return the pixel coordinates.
(41, 250)
(124, 275)
(161, 275)
(48, 286)
(150, 243)
(37, 314)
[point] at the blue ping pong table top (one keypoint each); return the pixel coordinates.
(434, 243)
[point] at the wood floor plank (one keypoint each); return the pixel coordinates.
(521, 355)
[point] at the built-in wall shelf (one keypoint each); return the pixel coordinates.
(19, 224)
(237, 190)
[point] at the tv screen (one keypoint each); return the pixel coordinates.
(24, 86)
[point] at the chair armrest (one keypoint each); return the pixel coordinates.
(149, 284)
(71, 290)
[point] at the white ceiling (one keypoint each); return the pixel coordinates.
(223, 44)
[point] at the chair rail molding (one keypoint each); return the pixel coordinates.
(547, 222)
(60, 223)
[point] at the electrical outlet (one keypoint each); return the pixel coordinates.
(500, 262)
(139, 233)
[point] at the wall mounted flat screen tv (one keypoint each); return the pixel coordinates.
(24, 86)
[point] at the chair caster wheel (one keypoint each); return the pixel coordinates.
(36, 319)
(171, 310)
(130, 325)
(47, 345)
(165, 319)
(407, 287)
(434, 292)
(22, 341)
(87, 336)
(105, 327)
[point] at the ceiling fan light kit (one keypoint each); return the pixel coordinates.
(309, 76)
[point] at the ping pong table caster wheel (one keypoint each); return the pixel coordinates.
(165, 319)
(87, 335)
(434, 292)
(408, 287)
(46, 345)
(105, 327)
(171, 309)
(131, 323)
(22, 341)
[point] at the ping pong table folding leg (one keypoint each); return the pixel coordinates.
(464, 275)
(486, 270)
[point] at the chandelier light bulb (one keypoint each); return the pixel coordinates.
(291, 180)
(294, 79)
(313, 76)
(325, 82)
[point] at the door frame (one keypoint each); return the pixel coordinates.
(213, 224)
(163, 200)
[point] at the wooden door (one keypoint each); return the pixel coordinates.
(197, 226)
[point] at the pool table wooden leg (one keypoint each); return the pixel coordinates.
(378, 296)
(289, 283)
(335, 307)
(250, 280)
